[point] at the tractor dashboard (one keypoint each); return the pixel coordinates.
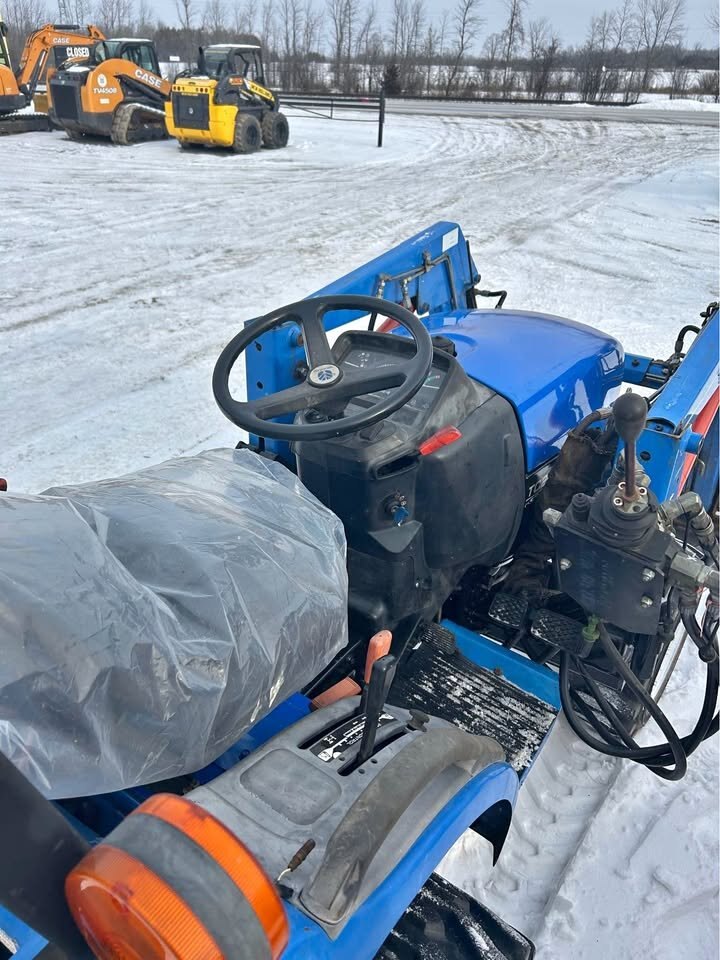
(363, 357)
(436, 486)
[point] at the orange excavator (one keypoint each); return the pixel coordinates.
(45, 50)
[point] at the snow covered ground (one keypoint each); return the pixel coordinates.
(124, 272)
(660, 101)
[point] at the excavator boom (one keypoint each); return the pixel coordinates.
(68, 41)
(45, 49)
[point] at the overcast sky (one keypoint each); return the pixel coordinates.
(569, 17)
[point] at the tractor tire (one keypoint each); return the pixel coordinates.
(275, 130)
(248, 134)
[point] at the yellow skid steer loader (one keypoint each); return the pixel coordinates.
(225, 102)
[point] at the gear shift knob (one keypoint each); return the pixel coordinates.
(630, 411)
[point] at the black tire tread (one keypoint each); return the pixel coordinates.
(242, 142)
(275, 134)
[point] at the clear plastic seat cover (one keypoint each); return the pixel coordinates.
(147, 621)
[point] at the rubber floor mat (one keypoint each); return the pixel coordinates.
(436, 678)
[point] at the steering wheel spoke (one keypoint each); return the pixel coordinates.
(317, 346)
(283, 402)
(355, 384)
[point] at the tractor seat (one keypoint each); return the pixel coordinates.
(147, 621)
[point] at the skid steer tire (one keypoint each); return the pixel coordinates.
(248, 134)
(275, 130)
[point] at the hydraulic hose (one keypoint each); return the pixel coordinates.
(690, 505)
(667, 760)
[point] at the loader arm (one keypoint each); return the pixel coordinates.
(135, 79)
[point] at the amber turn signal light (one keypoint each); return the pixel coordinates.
(174, 883)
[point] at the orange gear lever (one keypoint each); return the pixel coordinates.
(379, 646)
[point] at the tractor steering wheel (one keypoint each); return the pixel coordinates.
(327, 387)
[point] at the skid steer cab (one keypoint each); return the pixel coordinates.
(225, 102)
(116, 93)
(251, 697)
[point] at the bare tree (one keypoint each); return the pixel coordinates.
(299, 33)
(22, 17)
(406, 27)
(492, 49)
(343, 16)
(660, 24)
(74, 11)
(443, 23)
(543, 49)
(244, 16)
(144, 19)
(609, 57)
(114, 15)
(186, 13)
(269, 35)
(680, 75)
(215, 19)
(430, 54)
(375, 60)
(466, 27)
(513, 38)
(364, 45)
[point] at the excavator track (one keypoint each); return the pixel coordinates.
(136, 123)
(23, 123)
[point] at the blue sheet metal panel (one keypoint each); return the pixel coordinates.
(554, 371)
(442, 288)
(374, 919)
(535, 678)
(669, 436)
(25, 942)
(271, 363)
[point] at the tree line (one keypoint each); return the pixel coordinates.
(345, 45)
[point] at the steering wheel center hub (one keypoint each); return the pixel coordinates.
(324, 375)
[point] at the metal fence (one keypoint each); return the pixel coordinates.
(331, 106)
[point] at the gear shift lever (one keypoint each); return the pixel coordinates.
(630, 412)
(373, 702)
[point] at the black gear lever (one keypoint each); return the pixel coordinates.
(373, 702)
(630, 411)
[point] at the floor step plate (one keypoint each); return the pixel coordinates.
(439, 680)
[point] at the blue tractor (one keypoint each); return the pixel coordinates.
(254, 696)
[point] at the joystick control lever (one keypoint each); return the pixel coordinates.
(630, 411)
